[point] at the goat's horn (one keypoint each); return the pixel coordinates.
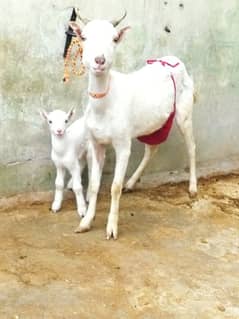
(84, 20)
(116, 22)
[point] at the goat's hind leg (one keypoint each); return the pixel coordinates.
(184, 122)
(149, 151)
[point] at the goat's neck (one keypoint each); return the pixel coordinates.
(59, 143)
(99, 84)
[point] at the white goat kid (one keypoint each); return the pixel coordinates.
(125, 106)
(69, 151)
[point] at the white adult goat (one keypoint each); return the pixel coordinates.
(125, 106)
(69, 152)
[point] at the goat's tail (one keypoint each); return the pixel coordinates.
(189, 83)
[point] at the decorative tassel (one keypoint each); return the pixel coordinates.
(70, 61)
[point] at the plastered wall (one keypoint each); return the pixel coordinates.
(204, 34)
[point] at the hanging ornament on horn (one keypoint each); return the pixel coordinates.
(72, 53)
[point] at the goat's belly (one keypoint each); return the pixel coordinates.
(159, 136)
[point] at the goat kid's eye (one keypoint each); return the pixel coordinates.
(82, 38)
(66, 121)
(50, 122)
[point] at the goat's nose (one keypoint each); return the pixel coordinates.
(100, 60)
(59, 131)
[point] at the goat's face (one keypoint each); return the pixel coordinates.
(57, 120)
(99, 38)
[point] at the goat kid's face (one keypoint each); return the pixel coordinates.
(99, 38)
(57, 120)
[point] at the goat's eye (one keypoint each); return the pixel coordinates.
(116, 39)
(66, 121)
(82, 38)
(50, 122)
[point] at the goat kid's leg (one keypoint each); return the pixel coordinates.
(98, 156)
(70, 184)
(186, 129)
(78, 190)
(122, 158)
(82, 166)
(149, 151)
(59, 187)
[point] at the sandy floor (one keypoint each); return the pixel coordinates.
(176, 257)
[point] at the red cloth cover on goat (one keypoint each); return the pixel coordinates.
(161, 135)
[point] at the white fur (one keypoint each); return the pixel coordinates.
(69, 152)
(137, 104)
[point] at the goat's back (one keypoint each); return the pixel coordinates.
(145, 98)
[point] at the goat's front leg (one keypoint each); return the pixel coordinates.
(78, 190)
(97, 158)
(89, 168)
(59, 187)
(149, 151)
(122, 158)
(186, 128)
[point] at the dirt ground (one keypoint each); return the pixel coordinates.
(176, 257)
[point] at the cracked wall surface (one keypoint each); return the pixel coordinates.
(204, 35)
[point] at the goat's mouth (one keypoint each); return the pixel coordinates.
(59, 134)
(99, 69)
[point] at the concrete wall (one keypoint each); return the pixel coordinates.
(204, 34)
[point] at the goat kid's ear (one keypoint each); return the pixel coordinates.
(71, 113)
(121, 33)
(43, 114)
(75, 27)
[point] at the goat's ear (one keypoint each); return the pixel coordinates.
(120, 35)
(43, 114)
(71, 113)
(75, 27)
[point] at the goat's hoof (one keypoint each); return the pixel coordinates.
(111, 235)
(111, 232)
(55, 211)
(55, 207)
(193, 194)
(82, 229)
